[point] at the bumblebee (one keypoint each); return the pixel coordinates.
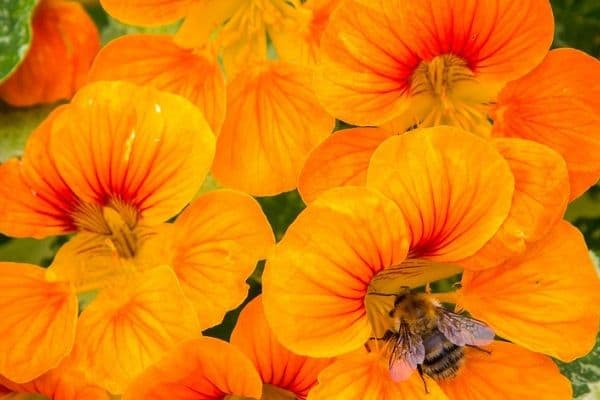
(429, 338)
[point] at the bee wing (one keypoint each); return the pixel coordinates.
(407, 353)
(462, 330)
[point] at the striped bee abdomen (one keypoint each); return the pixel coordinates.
(443, 359)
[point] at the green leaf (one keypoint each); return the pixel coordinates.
(583, 373)
(15, 127)
(281, 210)
(113, 29)
(15, 33)
(31, 251)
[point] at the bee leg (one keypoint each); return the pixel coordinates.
(479, 348)
(422, 378)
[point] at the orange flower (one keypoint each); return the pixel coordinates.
(104, 162)
(203, 368)
(283, 373)
(65, 41)
(116, 190)
(540, 179)
(427, 62)
(399, 65)
(414, 229)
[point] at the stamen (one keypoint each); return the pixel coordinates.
(457, 98)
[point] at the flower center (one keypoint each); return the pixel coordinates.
(116, 221)
(452, 94)
(271, 392)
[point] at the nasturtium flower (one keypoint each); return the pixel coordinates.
(285, 375)
(481, 66)
(539, 173)
(114, 170)
(427, 62)
(203, 368)
(61, 383)
(64, 43)
(410, 229)
(116, 155)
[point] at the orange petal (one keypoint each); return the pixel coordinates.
(273, 121)
(131, 325)
(155, 60)
(370, 50)
(202, 19)
(454, 189)
(539, 201)
(509, 373)
(38, 321)
(557, 104)
(316, 279)
(340, 160)
(213, 247)
(65, 41)
(299, 43)
(204, 368)
(36, 200)
(545, 300)
(276, 365)
(120, 141)
(147, 12)
(366, 376)
(61, 383)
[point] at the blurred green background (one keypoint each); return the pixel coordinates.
(577, 25)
